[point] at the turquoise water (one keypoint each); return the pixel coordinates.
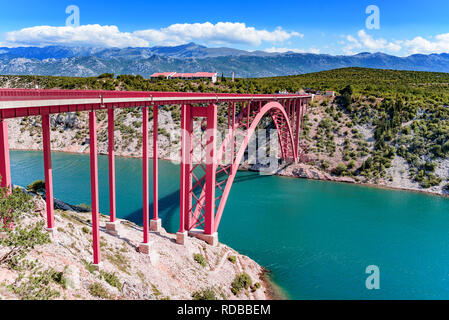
(316, 237)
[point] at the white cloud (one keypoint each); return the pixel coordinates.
(283, 50)
(220, 33)
(366, 42)
(87, 35)
(110, 36)
(421, 45)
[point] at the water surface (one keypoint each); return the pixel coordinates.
(317, 237)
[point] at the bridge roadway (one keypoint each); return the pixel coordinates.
(31, 102)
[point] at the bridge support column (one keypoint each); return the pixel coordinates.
(94, 188)
(186, 181)
(155, 223)
(298, 105)
(5, 167)
(144, 246)
(111, 226)
(48, 172)
(211, 159)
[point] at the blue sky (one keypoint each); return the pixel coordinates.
(334, 27)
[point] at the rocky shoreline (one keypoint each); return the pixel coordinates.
(297, 170)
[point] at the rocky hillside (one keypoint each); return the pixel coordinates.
(37, 265)
(336, 149)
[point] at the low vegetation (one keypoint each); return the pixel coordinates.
(241, 281)
(198, 257)
(204, 294)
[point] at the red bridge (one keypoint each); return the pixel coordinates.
(205, 180)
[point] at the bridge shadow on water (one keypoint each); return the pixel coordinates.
(169, 206)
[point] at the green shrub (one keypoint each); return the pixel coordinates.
(12, 206)
(21, 241)
(96, 289)
(241, 281)
(37, 186)
(232, 259)
(59, 278)
(204, 294)
(340, 170)
(89, 266)
(198, 257)
(112, 279)
(36, 286)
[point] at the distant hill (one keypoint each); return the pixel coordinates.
(80, 61)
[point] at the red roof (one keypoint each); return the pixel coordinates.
(184, 75)
(204, 74)
(165, 74)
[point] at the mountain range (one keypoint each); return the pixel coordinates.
(191, 57)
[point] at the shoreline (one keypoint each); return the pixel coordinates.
(369, 185)
(364, 184)
(273, 290)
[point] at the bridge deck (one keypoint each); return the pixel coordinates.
(28, 102)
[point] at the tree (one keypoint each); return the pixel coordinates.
(346, 96)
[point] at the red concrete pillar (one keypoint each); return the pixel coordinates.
(48, 171)
(155, 223)
(111, 226)
(298, 127)
(233, 135)
(5, 168)
(145, 182)
(111, 151)
(186, 181)
(211, 138)
(94, 187)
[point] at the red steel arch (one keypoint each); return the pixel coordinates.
(201, 208)
(275, 111)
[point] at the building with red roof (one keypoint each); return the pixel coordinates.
(187, 76)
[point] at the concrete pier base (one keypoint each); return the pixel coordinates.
(181, 238)
(144, 248)
(211, 239)
(98, 266)
(156, 225)
(111, 228)
(51, 233)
